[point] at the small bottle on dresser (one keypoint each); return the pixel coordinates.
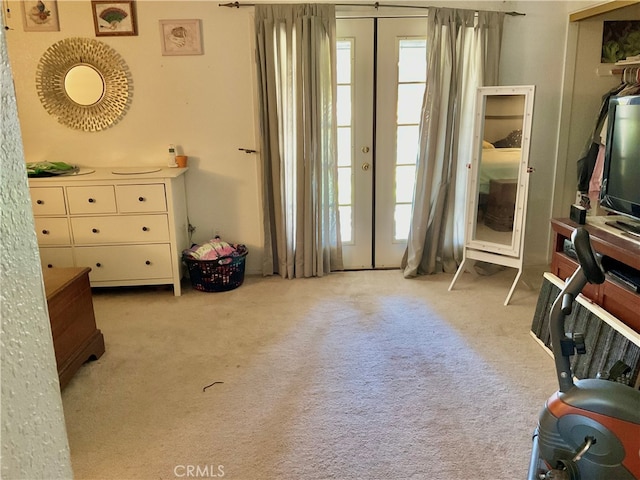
(172, 156)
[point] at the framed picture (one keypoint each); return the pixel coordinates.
(112, 18)
(620, 40)
(40, 16)
(180, 37)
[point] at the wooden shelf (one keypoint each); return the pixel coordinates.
(599, 9)
(618, 300)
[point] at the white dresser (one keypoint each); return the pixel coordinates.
(130, 228)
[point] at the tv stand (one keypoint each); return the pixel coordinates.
(613, 295)
(625, 226)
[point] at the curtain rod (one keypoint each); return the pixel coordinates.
(375, 5)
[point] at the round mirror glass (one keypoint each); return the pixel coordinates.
(84, 84)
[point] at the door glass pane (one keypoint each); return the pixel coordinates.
(410, 102)
(344, 146)
(344, 185)
(343, 61)
(346, 227)
(402, 218)
(407, 144)
(344, 105)
(412, 63)
(405, 180)
(344, 65)
(412, 74)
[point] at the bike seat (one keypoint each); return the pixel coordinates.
(606, 398)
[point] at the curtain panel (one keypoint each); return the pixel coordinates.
(295, 54)
(463, 52)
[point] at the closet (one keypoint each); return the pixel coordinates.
(591, 161)
(586, 81)
(589, 82)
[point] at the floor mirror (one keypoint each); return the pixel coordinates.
(498, 180)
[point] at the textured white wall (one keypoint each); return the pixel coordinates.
(33, 435)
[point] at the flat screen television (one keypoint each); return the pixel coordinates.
(620, 190)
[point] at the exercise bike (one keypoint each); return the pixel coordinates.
(590, 429)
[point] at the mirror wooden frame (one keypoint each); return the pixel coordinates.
(509, 254)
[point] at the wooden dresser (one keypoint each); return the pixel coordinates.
(76, 338)
(128, 227)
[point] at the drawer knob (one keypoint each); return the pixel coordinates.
(45, 232)
(49, 265)
(141, 199)
(95, 230)
(148, 262)
(92, 200)
(145, 229)
(98, 264)
(39, 202)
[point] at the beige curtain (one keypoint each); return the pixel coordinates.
(463, 52)
(295, 50)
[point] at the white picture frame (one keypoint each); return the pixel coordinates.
(40, 16)
(181, 37)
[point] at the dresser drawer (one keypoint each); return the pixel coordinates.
(52, 231)
(56, 257)
(48, 201)
(121, 229)
(125, 262)
(141, 198)
(90, 200)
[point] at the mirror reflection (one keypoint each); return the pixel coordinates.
(84, 84)
(499, 168)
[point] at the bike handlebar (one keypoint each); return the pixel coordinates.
(589, 271)
(586, 257)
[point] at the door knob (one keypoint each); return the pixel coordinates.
(365, 166)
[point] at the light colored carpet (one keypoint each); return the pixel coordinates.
(357, 375)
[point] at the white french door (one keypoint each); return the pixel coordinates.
(381, 80)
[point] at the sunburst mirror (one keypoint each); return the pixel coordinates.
(85, 83)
